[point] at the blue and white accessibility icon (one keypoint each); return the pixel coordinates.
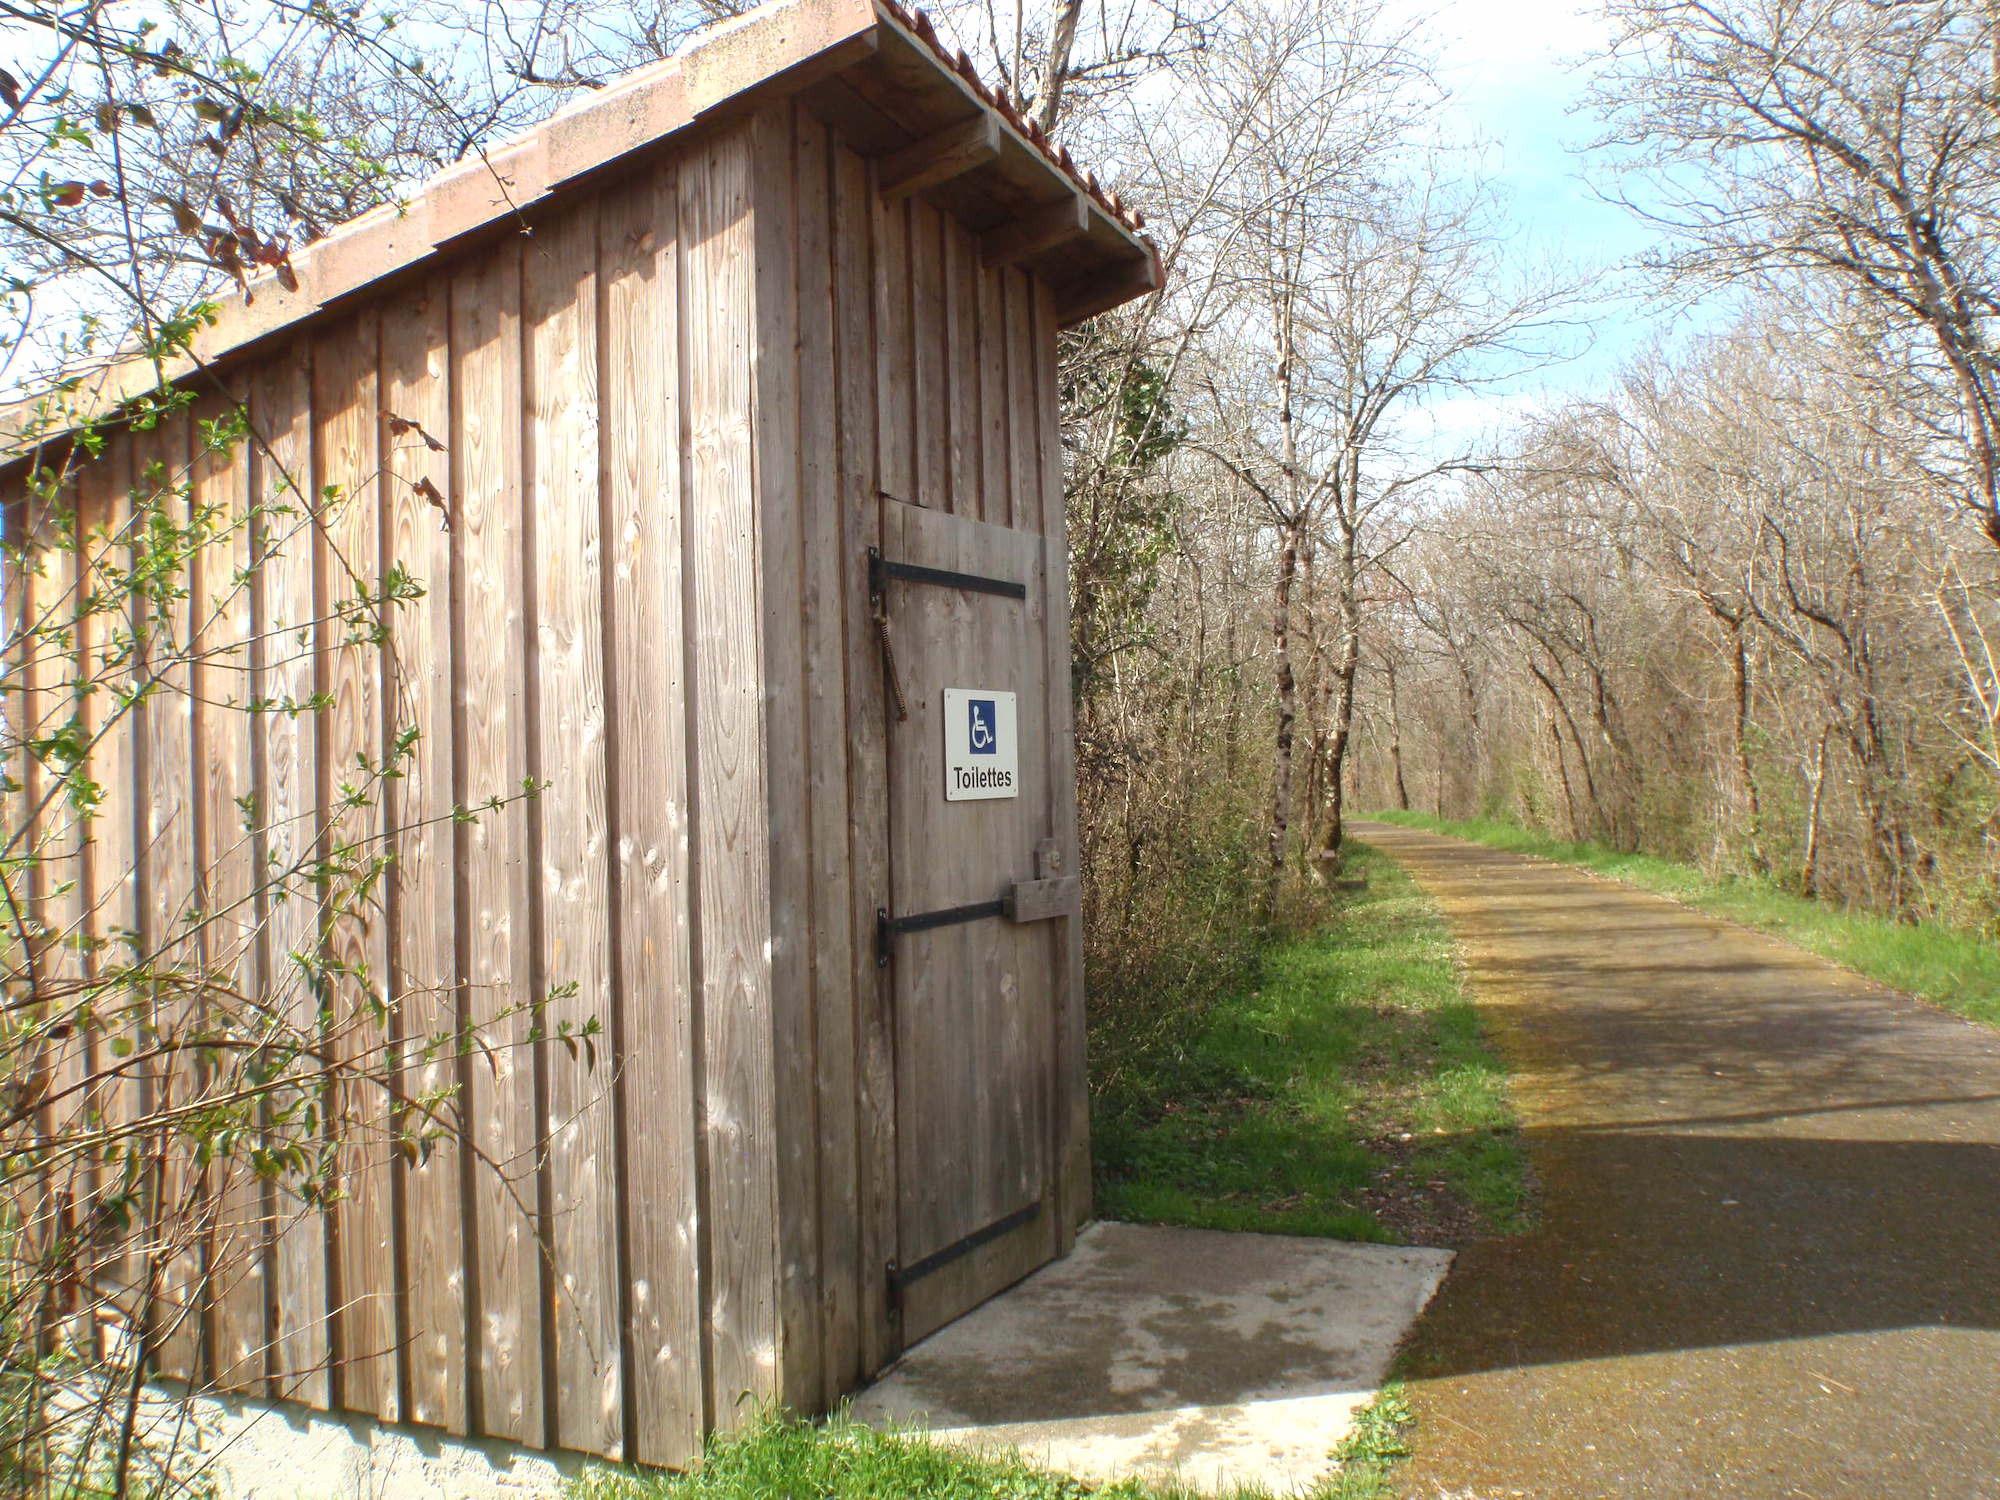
(982, 728)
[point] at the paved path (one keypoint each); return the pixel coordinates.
(1768, 1258)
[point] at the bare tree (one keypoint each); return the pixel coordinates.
(1716, 613)
(1372, 308)
(1850, 139)
(1066, 64)
(1316, 100)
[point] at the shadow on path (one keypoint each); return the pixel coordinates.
(1768, 1257)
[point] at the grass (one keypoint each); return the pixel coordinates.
(1346, 1092)
(1378, 1441)
(789, 1458)
(1946, 967)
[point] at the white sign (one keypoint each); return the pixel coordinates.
(981, 749)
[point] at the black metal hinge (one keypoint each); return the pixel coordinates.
(901, 1277)
(886, 926)
(881, 571)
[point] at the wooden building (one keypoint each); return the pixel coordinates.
(743, 531)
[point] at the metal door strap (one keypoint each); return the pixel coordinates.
(886, 926)
(900, 1277)
(881, 571)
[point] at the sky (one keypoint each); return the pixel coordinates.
(1516, 69)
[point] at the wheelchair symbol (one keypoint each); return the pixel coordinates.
(983, 731)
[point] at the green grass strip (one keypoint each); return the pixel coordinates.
(790, 1458)
(842, 1460)
(1946, 967)
(1347, 1093)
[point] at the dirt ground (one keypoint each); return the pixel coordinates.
(1767, 1261)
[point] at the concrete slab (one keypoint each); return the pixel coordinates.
(1217, 1359)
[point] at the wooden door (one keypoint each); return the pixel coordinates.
(973, 988)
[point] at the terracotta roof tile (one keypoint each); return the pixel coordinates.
(918, 24)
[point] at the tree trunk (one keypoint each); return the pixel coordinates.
(1395, 738)
(1293, 537)
(1745, 772)
(1288, 715)
(1055, 69)
(1315, 690)
(1809, 862)
(1341, 730)
(1232, 717)
(1476, 760)
(1562, 775)
(1561, 709)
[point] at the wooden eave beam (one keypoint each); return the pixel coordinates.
(939, 158)
(1096, 294)
(900, 56)
(1013, 242)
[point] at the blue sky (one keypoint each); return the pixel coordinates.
(1516, 69)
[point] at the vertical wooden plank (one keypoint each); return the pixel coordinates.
(1071, 1123)
(287, 798)
(110, 867)
(559, 313)
(863, 370)
(225, 689)
(930, 378)
(1020, 1035)
(431, 1277)
(731, 832)
(1022, 1039)
(778, 373)
(346, 466)
(48, 661)
(994, 437)
(987, 957)
(491, 760)
(1024, 412)
(30, 1204)
(31, 687)
(638, 259)
(895, 370)
(169, 903)
(962, 409)
(826, 601)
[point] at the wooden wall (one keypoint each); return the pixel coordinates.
(667, 416)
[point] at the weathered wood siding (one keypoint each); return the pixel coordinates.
(669, 416)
